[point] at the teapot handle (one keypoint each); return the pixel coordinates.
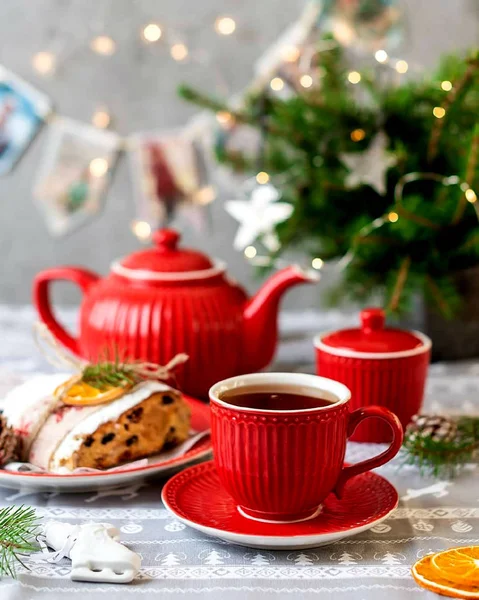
(41, 298)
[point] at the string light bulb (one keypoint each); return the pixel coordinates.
(381, 56)
(393, 217)
(225, 118)
(205, 195)
(179, 52)
(44, 62)
(277, 84)
(141, 229)
(306, 81)
(317, 263)
(354, 77)
(225, 25)
(101, 118)
(402, 66)
(152, 32)
(103, 44)
(446, 86)
(357, 135)
(471, 196)
(262, 177)
(98, 167)
(291, 54)
(250, 252)
(439, 112)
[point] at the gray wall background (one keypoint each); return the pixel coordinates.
(138, 85)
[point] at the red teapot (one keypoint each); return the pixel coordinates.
(164, 300)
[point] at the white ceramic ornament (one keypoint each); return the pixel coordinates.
(370, 166)
(258, 216)
(94, 550)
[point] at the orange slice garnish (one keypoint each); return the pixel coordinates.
(83, 394)
(449, 573)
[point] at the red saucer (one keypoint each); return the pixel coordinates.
(196, 497)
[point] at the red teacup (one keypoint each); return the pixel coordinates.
(279, 464)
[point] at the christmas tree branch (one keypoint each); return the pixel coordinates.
(470, 174)
(471, 243)
(18, 530)
(442, 304)
(458, 88)
(191, 95)
(473, 156)
(402, 212)
(400, 283)
(218, 106)
(309, 132)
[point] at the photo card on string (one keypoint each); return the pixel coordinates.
(23, 110)
(73, 179)
(170, 177)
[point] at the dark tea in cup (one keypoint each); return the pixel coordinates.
(279, 441)
(272, 398)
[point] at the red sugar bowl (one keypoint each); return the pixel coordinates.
(380, 365)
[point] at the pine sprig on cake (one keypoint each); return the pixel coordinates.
(440, 446)
(19, 527)
(109, 372)
(103, 375)
(105, 381)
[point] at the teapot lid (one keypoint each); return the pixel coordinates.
(166, 257)
(373, 338)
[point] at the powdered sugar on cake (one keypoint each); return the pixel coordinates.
(27, 407)
(105, 413)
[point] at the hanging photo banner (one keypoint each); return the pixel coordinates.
(170, 177)
(75, 174)
(23, 109)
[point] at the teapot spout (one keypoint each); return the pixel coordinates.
(261, 316)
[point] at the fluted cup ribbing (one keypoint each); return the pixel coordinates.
(393, 380)
(280, 465)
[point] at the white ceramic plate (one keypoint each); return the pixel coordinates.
(84, 482)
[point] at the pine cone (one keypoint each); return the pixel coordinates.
(10, 443)
(434, 427)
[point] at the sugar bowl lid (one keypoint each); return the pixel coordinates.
(373, 338)
(166, 261)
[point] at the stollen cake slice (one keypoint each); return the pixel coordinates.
(140, 423)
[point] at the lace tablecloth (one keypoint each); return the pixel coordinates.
(178, 562)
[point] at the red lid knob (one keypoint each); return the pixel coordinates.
(372, 319)
(166, 239)
(373, 337)
(167, 256)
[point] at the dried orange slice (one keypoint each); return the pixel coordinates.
(437, 578)
(459, 564)
(76, 392)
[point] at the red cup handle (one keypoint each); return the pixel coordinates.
(41, 298)
(371, 463)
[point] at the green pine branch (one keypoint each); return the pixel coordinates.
(305, 138)
(103, 375)
(19, 527)
(443, 458)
